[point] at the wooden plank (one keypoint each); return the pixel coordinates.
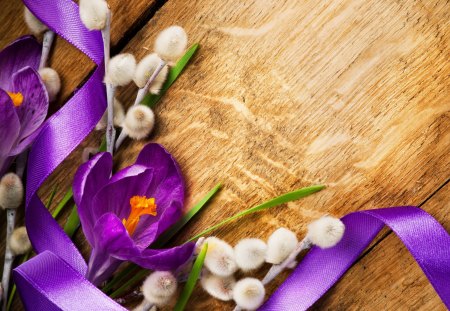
(284, 94)
(388, 278)
(353, 94)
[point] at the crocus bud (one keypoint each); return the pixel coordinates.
(220, 257)
(94, 13)
(219, 287)
(159, 287)
(249, 293)
(119, 116)
(326, 231)
(250, 254)
(11, 191)
(146, 68)
(280, 244)
(19, 241)
(139, 122)
(51, 81)
(121, 69)
(171, 43)
(35, 25)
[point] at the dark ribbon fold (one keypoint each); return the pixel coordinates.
(425, 238)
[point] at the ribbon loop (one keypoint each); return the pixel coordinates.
(424, 237)
(48, 283)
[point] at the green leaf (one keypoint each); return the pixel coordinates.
(287, 197)
(169, 233)
(130, 283)
(120, 277)
(52, 196)
(150, 100)
(192, 279)
(67, 197)
(73, 222)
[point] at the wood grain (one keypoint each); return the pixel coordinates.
(284, 94)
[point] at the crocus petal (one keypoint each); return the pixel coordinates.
(116, 194)
(112, 237)
(111, 243)
(25, 142)
(146, 234)
(168, 190)
(164, 259)
(89, 178)
(25, 51)
(33, 110)
(9, 128)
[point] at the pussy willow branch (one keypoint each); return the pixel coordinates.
(47, 43)
(10, 223)
(110, 89)
(140, 96)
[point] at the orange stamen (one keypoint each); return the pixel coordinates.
(139, 206)
(17, 98)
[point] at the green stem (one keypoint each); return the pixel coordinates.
(121, 276)
(67, 197)
(73, 222)
(288, 197)
(192, 280)
(131, 282)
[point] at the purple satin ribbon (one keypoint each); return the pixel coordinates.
(425, 238)
(53, 280)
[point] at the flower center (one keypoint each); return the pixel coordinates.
(140, 205)
(17, 98)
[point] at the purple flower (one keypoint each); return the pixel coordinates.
(23, 98)
(123, 214)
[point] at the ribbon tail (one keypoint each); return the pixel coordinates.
(63, 131)
(48, 283)
(424, 237)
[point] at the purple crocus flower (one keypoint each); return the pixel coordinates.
(122, 215)
(23, 98)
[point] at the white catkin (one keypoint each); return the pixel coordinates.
(280, 244)
(19, 241)
(51, 81)
(326, 231)
(139, 122)
(219, 258)
(249, 293)
(145, 69)
(171, 43)
(94, 13)
(11, 191)
(159, 287)
(218, 287)
(35, 25)
(119, 116)
(250, 254)
(121, 69)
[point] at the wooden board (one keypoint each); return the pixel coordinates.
(284, 94)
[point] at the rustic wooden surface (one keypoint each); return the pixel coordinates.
(284, 94)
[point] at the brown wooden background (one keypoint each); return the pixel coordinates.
(354, 94)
